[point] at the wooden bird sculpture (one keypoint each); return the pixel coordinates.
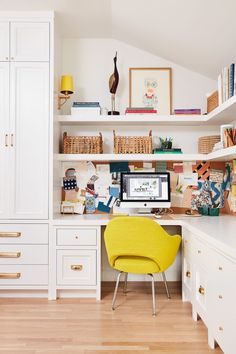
(113, 84)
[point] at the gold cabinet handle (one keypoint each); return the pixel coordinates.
(220, 268)
(77, 267)
(199, 252)
(6, 140)
(186, 241)
(220, 297)
(76, 237)
(201, 290)
(10, 275)
(188, 274)
(10, 254)
(221, 328)
(10, 234)
(12, 141)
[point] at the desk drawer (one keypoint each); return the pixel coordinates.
(23, 233)
(77, 237)
(23, 254)
(23, 275)
(76, 267)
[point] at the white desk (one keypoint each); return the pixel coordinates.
(208, 266)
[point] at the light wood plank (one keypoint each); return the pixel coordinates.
(74, 326)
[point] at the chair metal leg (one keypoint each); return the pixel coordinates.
(125, 283)
(166, 285)
(153, 296)
(115, 292)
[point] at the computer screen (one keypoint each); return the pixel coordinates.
(149, 187)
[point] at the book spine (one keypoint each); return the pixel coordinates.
(140, 111)
(86, 104)
(220, 89)
(234, 80)
(231, 80)
(187, 111)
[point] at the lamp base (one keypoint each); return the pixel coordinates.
(113, 113)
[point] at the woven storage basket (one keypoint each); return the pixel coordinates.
(133, 144)
(82, 144)
(206, 143)
(212, 101)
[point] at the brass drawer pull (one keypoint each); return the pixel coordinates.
(12, 141)
(77, 267)
(220, 268)
(10, 254)
(201, 290)
(10, 234)
(220, 297)
(199, 252)
(188, 274)
(10, 275)
(76, 237)
(6, 140)
(186, 241)
(221, 328)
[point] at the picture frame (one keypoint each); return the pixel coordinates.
(151, 87)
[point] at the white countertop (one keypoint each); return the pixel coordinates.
(219, 231)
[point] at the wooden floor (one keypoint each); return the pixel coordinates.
(72, 326)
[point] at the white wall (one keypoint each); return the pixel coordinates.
(90, 61)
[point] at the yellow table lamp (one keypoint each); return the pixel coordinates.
(66, 89)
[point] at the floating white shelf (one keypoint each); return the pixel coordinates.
(137, 119)
(220, 155)
(225, 113)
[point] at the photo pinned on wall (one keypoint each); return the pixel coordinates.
(151, 88)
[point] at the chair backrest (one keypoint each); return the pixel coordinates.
(139, 236)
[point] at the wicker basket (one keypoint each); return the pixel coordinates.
(82, 144)
(133, 144)
(212, 101)
(206, 143)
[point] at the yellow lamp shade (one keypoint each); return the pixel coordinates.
(67, 85)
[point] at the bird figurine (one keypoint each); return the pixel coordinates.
(113, 84)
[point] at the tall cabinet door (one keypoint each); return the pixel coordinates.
(4, 140)
(4, 41)
(29, 126)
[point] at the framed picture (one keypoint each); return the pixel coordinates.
(151, 87)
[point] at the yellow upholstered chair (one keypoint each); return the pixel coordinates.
(139, 245)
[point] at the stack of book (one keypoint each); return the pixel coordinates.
(87, 109)
(140, 110)
(167, 151)
(187, 111)
(227, 83)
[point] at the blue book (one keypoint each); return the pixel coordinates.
(231, 79)
(86, 104)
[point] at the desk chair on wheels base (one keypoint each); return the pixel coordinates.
(139, 245)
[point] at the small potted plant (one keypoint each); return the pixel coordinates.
(166, 143)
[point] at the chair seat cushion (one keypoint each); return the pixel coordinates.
(135, 264)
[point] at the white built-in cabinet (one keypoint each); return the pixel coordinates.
(24, 41)
(208, 282)
(24, 153)
(24, 114)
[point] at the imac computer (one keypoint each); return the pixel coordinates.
(145, 190)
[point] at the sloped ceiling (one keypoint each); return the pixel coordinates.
(197, 34)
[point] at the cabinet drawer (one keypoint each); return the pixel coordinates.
(23, 233)
(200, 252)
(23, 275)
(77, 237)
(76, 267)
(23, 254)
